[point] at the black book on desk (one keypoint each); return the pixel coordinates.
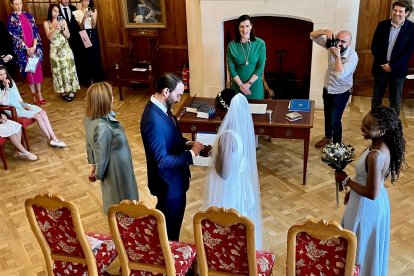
(194, 106)
(301, 105)
(206, 111)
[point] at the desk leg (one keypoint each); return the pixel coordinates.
(120, 93)
(305, 156)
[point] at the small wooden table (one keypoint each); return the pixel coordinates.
(279, 127)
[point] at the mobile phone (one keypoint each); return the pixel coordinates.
(59, 18)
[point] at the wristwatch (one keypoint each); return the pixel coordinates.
(250, 82)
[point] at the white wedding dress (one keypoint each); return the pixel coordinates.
(232, 179)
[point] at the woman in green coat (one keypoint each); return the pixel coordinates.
(107, 148)
(246, 59)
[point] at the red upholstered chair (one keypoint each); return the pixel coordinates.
(2, 154)
(140, 236)
(226, 244)
(25, 122)
(2, 139)
(321, 248)
(67, 249)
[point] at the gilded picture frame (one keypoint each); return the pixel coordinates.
(147, 14)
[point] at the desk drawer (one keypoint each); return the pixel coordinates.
(291, 133)
(263, 130)
(194, 128)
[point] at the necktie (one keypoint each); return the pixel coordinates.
(171, 116)
(65, 11)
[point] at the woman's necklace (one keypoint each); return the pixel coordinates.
(246, 58)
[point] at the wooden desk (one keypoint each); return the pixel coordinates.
(279, 127)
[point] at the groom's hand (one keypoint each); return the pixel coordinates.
(197, 147)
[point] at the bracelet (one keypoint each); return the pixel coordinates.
(345, 182)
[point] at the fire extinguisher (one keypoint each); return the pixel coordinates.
(185, 76)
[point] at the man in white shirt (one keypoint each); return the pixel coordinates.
(342, 62)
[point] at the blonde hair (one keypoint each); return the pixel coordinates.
(98, 100)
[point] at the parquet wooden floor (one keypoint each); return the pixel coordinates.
(285, 201)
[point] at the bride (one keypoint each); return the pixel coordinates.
(232, 180)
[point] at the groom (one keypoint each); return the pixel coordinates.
(168, 153)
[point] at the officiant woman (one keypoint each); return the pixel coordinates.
(27, 43)
(246, 59)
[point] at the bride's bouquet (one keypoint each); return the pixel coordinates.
(338, 156)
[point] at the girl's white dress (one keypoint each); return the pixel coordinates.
(9, 128)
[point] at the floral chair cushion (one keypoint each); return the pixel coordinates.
(103, 249)
(142, 244)
(226, 249)
(57, 227)
(320, 257)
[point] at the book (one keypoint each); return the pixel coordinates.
(293, 116)
(302, 105)
(206, 111)
(206, 138)
(194, 106)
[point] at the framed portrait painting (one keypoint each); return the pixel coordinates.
(144, 13)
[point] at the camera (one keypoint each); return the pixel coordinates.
(332, 43)
(59, 18)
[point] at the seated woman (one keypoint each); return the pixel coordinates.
(9, 95)
(232, 179)
(12, 130)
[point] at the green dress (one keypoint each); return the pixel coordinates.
(256, 57)
(62, 61)
(107, 147)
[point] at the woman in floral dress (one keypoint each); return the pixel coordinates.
(65, 79)
(27, 43)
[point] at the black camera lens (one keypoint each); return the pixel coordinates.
(331, 43)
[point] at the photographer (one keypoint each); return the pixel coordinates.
(342, 61)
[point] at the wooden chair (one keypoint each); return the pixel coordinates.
(2, 154)
(25, 122)
(140, 236)
(321, 248)
(3, 140)
(225, 243)
(67, 249)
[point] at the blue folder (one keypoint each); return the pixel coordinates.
(301, 105)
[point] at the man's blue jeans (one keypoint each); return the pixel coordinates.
(333, 108)
(381, 80)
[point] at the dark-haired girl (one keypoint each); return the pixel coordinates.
(368, 211)
(87, 17)
(65, 79)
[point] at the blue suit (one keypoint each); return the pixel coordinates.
(168, 163)
(400, 56)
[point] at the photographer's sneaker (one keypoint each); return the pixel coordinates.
(57, 143)
(322, 142)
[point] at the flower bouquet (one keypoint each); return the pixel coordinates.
(338, 156)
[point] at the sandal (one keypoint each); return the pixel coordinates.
(64, 97)
(71, 97)
(42, 101)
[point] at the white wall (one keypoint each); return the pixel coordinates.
(205, 34)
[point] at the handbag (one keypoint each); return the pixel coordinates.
(85, 39)
(32, 63)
